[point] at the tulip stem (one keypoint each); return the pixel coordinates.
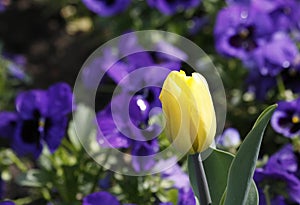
(202, 184)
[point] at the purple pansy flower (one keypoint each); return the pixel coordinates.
(182, 183)
(237, 31)
(117, 69)
(279, 200)
(177, 176)
(186, 197)
(7, 124)
(258, 84)
(100, 197)
(41, 118)
(7, 203)
(169, 7)
(286, 118)
(109, 131)
(245, 2)
(230, 138)
(106, 7)
(280, 172)
(275, 56)
(110, 134)
(106, 182)
(284, 13)
(130, 129)
(117, 127)
(146, 148)
(3, 5)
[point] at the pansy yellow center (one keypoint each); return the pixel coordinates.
(295, 119)
(41, 124)
(244, 33)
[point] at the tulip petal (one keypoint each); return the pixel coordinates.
(189, 111)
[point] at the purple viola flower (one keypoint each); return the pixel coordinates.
(7, 124)
(106, 7)
(41, 118)
(186, 197)
(275, 56)
(116, 126)
(108, 130)
(182, 183)
(169, 7)
(245, 2)
(118, 69)
(124, 123)
(279, 200)
(168, 52)
(258, 84)
(116, 131)
(286, 118)
(3, 5)
(284, 13)
(238, 32)
(139, 109)
(230, 138)
(100, 197)
(146, 148)
(280, 171)
(7, 203)
(106, 182)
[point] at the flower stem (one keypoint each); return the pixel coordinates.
(202, 184)
(267, 195)
(281, 87)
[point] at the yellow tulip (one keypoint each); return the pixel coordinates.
(189, 112)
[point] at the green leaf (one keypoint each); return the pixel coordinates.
(217, 167)
(252, 196)
(243, 165)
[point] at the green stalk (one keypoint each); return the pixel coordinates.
(202, 185)
(267, 195)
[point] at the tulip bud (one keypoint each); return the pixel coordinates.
(189, 112)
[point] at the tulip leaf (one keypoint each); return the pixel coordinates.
(252, 198)
(217, 167)
(243, 165)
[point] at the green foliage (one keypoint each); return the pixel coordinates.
(243, 165)
(230, 177)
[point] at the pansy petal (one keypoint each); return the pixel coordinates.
(26, 143)
(54, 132)
(100, 198)
(8, 122)
(60, 99)
(32, 104)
